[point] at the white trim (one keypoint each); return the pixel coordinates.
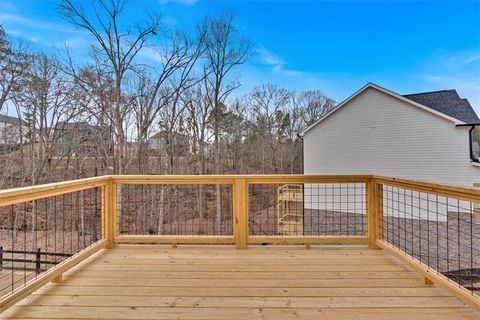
(386, 91)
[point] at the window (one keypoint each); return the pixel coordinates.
(475, 143)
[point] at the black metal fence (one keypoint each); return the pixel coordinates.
(37, 261)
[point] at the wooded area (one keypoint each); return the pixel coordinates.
(111, 113)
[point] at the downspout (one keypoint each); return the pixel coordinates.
(303, 187)
(299, 136)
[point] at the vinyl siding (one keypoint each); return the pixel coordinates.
(380, 134)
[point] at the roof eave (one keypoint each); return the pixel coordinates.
(468, 124)
(389, 92)
(341, 104)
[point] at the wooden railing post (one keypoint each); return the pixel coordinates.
(240, 213)
(109, 213)
(379, 211)
(373, 213)
(38, 268)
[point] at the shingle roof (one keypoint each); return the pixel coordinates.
(64, 125)
(8, 119)
(447, 102)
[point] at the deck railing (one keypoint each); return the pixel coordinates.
(431, 227)
(65, 219)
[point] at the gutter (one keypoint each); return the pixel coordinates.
(467, 124)
(300, 136)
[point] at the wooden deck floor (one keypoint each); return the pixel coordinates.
(215, 282)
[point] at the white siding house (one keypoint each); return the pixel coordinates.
(11, 132)
(376, 131)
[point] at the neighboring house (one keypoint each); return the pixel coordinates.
(176, 143)
(81, 138)
(11, 131)
(428, 136)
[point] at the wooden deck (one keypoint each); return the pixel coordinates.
(219, 282)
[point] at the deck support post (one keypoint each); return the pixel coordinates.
(374, 208)
(109, 213)
(58, 278)
(240, 213)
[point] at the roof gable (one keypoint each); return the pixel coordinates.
(11, 120)
(393, 94)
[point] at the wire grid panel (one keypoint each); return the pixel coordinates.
(191, 210)
(37, 235)
(441, 232)
(321, 209)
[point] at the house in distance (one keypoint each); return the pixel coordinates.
(174, 142)
(11, 130)
(81, 138)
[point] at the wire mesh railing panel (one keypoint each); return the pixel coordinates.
(441, 232)
(320, 209)
(37, 235)
(171, 209)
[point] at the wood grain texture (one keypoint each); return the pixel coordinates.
(261, 282)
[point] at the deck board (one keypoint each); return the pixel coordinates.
(218, 282)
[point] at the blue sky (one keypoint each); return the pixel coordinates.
(337, 47)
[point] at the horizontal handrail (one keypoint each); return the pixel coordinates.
(241, 186)
(26, 193)
(460, 192)
(230, 179)
(23, 194)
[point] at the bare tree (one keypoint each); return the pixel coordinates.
(115, 48)
(13, 63)
(269, 106)
(175, 75)
(225, 50)
(46, 99)
(314, 105)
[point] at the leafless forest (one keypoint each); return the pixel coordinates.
(65, 116)
(110, 112)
